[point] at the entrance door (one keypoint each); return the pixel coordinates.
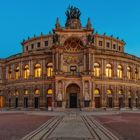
(25, 102)
(16, 103)
(1, 101)
(36, 103)
(110, 102)
(73, 100)
(129, 103)
(120, 102)
(49, 101)
(9, 103)
(97, 102)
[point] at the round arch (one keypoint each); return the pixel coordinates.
(73, 95)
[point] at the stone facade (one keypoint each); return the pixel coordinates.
(73, 67)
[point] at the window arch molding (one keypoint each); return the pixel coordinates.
(96, 69)
(26, 71)
(108, 70)
(37, 70)
(128, 72)
(96, 92)
(17, 72)
(49, 67)
(120, 71)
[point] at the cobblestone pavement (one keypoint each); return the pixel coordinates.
(14, 126)
(74, 125)
(127, 125)
(70, 125)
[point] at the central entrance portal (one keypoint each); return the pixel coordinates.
(73, 100)
(73, 95)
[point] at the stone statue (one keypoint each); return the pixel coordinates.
(90, 39)
(55, 39)
(73, 13)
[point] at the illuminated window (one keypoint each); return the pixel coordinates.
(50, 69)
(16, 93)
(37, 70)
(128, 72)
(136, 74)
(50, 92)
(120, 92)
(129, 93)
(109, 92)
(108, 70)
(119, 71)
(17, 73)
(26, 92)
(37, 92)
(96, 70)
(96, 92)
(26, 72)
(10, 73)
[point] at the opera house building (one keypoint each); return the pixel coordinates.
(72, 67)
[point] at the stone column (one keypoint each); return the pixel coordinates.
(42, 98)
(84, 62)
(116, 102)
(31, 98)
(13, 71)
(103, 97)
(20, 70)
(21, 98)
(103, 68)
(44, 70)
(61, 62)
(57, 61)
(31, 68)
(126, 98)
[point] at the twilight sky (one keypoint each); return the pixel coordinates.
(22, 18)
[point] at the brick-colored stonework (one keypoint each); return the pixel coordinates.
(73, 67)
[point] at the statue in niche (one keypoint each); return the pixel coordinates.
(87, 97)
(59, 96)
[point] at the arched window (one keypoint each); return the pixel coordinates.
(109, 92)
(17, 72)
(119, 71)
(37, 92)
(96, 69)
(108, 70)
(96, 92)
(26, 72)
(128, 72)
(37, 70)
(129, 93)
(50, 69)
(16, 93)
(50, 92)
(136, 74)
(26, 92)
(120, 92)
(9, 73)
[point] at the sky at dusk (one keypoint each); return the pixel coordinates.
(22, 18)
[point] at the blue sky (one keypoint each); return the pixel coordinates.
(22, 18)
